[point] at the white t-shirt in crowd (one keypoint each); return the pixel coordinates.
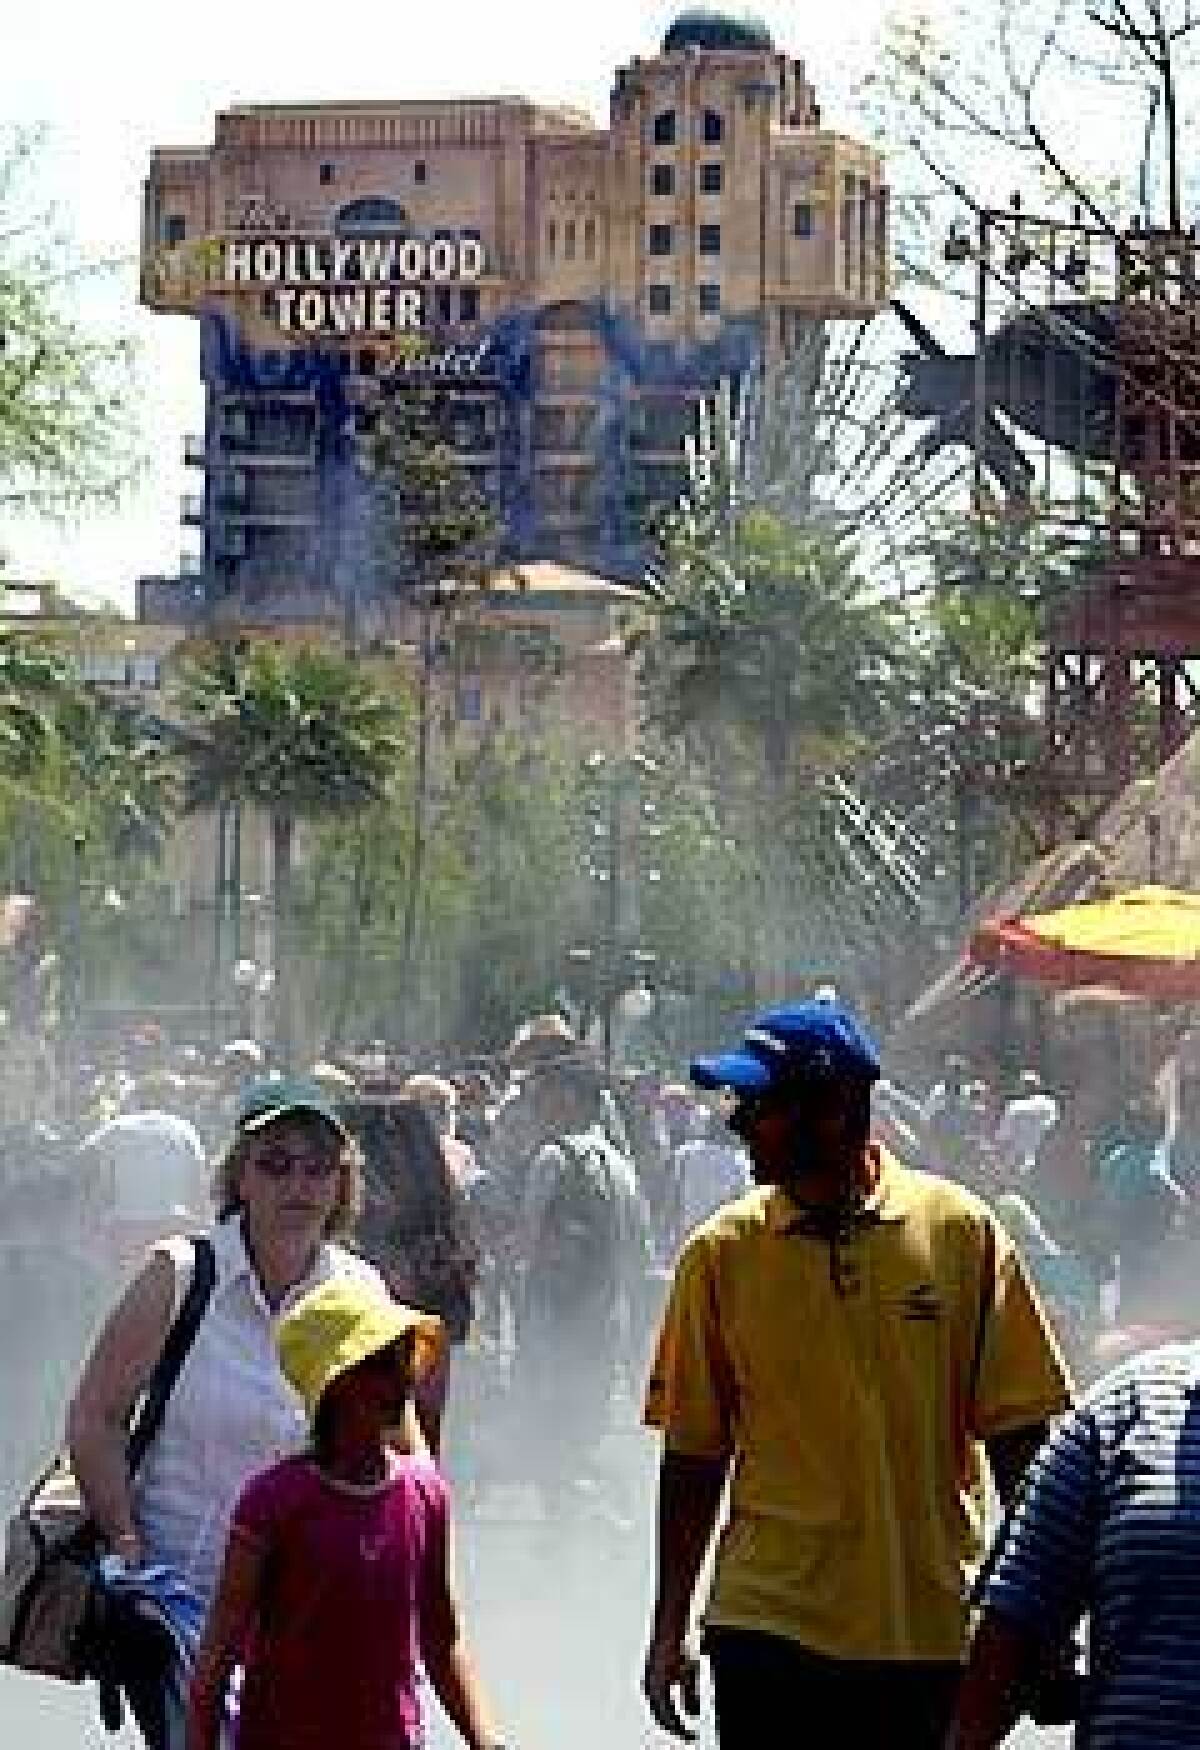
(710, 1174)
(152, 1166)
(1024, 1123)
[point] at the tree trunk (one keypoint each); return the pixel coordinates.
(420, 808)
(1164, 61)
(360, 906)
(1171, 123)
(281, 865)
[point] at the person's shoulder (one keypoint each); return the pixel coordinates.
(276, 1488)
(926, 1185)
(343, 1261)
(183, 1130)
(736, 1220)
(933, 1197)
(417, 1472)
(1166, 1373)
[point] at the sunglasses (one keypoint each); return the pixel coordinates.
(280, 1164)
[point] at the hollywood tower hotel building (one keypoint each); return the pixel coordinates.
(575, 289)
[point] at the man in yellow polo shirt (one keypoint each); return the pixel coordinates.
(836, 1346)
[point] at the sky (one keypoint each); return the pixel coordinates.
(108, 84)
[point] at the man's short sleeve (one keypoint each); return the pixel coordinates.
(690, 1396)
(1040, 1578)
(1023, 1378)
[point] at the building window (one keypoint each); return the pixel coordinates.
(569, 239)
(710, 300)
(660, 239)
(468, 305)
(551, 239)
(589, 239)
(660, 300)
(444, 308)
(470, 702)
(710, 239)
(374, 212)
(664, 128)
(326, 175)
(664, 179)
(714, 128)
(711, 177)
(420, 171)
(802, 220)
(176, 229)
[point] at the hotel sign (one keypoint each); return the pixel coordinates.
(351, 285)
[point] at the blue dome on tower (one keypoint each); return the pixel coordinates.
(699, 28)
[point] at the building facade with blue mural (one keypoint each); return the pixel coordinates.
(571, 290)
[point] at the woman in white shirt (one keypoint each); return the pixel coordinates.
(287, 1185)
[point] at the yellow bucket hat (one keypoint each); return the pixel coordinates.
(342, 1323)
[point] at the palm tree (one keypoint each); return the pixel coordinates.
(771, 648)
(126, 772)
(33, 679)
(299, 732)
(773, 661)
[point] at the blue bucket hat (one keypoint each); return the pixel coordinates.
(801, 1042)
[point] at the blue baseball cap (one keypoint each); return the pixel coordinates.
(810, 1041)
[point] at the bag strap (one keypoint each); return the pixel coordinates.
(175, 1352)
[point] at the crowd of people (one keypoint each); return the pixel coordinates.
(1093, 1177)
(831, 1295)
(527, 1204)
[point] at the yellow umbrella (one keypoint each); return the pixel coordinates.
(1143, 943)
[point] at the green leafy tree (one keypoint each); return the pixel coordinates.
(33, 681)
(66, 402)
(504, 900)
(300, 732)
(432, 539)
(87, 798)
(129, 774)
(517, 822)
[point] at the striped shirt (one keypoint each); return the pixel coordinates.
(1108, 1527)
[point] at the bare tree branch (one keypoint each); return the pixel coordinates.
(1148, 148)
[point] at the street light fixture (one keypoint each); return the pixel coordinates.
(619, 776)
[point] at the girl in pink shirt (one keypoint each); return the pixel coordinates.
(336, 1584)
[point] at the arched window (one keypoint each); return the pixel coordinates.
(664, 128)
(374, 212)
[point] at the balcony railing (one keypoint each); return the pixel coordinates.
(195, 452)
(192, 510)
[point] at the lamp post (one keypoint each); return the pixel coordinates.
(71, 1023)
(618, 780)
